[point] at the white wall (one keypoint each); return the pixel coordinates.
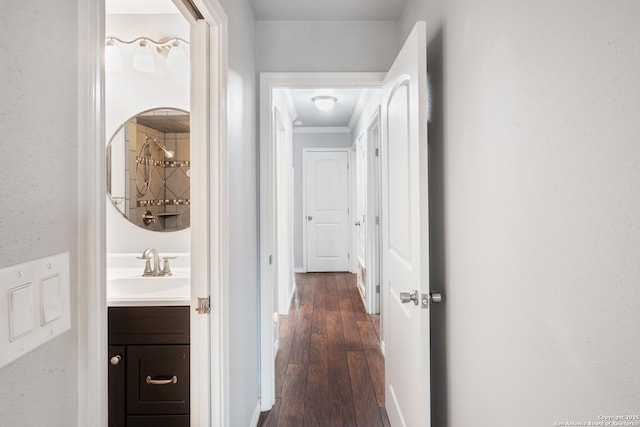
(300, 141)
(38, 184)
(130, 92)
(534, 213)
(325, 46)
(244, 336)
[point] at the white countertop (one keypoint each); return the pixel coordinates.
(127, 287)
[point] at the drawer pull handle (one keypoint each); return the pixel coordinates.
(171, 380)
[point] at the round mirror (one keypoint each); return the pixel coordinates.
(148, 169)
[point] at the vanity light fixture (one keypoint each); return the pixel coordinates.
(177, 59)
(324, 103)
(112, 56)
(144, 56)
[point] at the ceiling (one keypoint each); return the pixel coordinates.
(149, 7)
(349, 100)
(327, 10)
(283, 10)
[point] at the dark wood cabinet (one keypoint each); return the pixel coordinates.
(148, 366)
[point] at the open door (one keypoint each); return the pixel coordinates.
(405, 235)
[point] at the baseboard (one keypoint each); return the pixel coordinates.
(256, 416)
(382, 347)
(299, 270)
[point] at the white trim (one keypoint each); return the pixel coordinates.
(374, 232)
(359, 108)
(298, 270)
(268, 83)
(218, 215)
(256, 415)
(310, 129)
(91, 251)
(288, 101)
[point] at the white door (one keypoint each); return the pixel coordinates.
(405, 234)
(326, 192)
(361, 204)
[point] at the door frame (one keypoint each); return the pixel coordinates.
(374, 205)
(304, 199)
(213, 358)
(268, 83)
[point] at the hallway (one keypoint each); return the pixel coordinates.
(329, 367)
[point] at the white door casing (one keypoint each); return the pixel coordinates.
(326, 209)
(373, 214)
(405, 239)
(361, 213)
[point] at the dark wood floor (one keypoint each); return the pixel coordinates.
(329, 367)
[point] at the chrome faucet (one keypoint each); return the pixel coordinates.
(150, 255)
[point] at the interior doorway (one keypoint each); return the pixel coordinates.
(275, 87)
(209, 405)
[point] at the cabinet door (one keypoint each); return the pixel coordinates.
(158, 379)
(117, 377)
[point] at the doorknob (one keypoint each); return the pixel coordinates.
(405, 297)
(309, 218)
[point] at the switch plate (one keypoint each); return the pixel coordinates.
(35, 299)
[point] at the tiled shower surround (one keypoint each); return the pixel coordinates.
(155, 183)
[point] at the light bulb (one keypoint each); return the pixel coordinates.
(143, 58)
(112, 56)
(177, 61)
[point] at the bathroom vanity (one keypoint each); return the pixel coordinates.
(149, 366)
(149, 338)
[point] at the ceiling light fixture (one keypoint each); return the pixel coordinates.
(324, 103)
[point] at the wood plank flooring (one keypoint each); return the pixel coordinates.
(329, 367)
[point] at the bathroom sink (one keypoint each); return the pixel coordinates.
(127, 287)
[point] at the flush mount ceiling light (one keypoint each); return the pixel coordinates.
(324, 103)
(144, 56)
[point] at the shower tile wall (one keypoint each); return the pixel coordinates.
(167, 188)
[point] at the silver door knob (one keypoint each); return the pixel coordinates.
(406, 297)
(116, 359)
(309, 218)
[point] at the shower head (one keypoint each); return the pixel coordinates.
(167, 153)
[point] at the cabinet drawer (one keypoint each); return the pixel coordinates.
(148, 325)
(158, 421)
(158, 379)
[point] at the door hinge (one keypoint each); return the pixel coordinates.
(377, 152)
(377, 289)
(377, 220)
(347, 165)
(348, 256)
(204, 305)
